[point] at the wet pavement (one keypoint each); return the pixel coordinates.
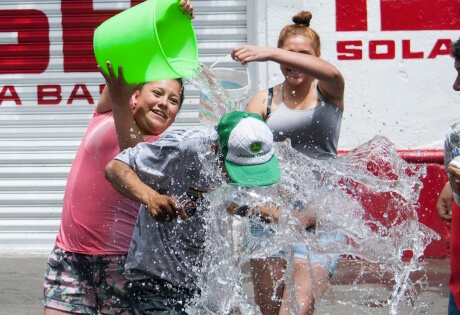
(367, 293)
(355, 290)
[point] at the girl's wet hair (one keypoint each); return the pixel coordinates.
(181, 82)
(455, 49)
(300, 27)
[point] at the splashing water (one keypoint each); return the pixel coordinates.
(215, 100)
(364, 202)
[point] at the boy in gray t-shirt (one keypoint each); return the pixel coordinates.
(169, 177)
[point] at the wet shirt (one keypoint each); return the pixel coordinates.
(182, 165)
(96, 219)
(314, 132)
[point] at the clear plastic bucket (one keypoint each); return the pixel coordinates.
(236, 83)
(153, 40)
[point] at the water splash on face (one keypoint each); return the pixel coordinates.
(364, 204)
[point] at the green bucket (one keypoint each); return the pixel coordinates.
(153, 40)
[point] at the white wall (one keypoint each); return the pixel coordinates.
(410, 101)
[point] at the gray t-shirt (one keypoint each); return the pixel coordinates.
(314, 132)
(180, 164)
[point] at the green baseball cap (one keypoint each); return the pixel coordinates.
(246, 143)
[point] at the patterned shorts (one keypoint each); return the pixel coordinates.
(86, 284)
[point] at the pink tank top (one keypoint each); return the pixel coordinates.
(96, 219)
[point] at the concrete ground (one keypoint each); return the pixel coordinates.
(367, 293)
(353, 291)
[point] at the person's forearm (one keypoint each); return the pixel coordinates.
(116, 95)
(104, 104)
(454, 177)
(271, 214)
(313, 66)
(307, 220)
(268, 213)
(444, 203)
(330, 80)
(126, 181)
(128, 133)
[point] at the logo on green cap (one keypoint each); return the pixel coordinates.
(256, 147)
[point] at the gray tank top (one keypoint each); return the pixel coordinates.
(313, 132)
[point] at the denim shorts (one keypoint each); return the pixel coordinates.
(86, 284)
(158, 297)
(301, 251)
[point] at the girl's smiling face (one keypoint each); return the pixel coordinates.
(298, 44)
(156, 105)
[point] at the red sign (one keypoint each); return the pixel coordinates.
(400, 15)
(31, 53)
